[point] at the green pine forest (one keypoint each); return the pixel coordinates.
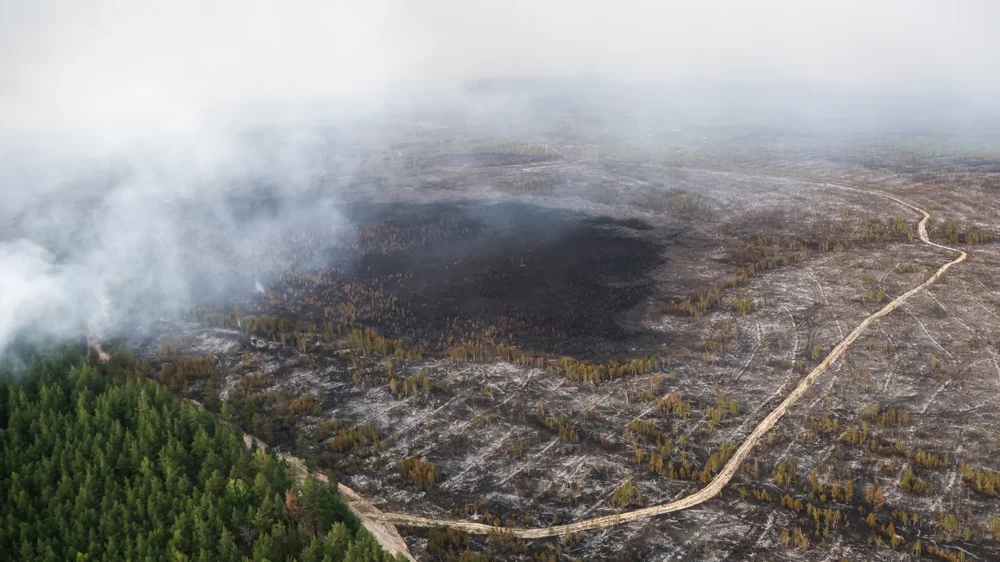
(99, 463)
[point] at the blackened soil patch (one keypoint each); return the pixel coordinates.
(545, 280)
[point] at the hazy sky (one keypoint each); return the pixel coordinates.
(97, 64)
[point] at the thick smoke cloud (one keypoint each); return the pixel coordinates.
(103, 246)
(122, 120)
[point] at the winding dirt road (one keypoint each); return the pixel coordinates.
(370, 516)
(726, 474)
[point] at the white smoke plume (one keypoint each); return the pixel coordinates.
(126, 125)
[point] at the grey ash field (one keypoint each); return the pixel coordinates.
(552, 325)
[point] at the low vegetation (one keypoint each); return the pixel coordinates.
(418, 472)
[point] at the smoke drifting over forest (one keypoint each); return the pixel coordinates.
(126, 127)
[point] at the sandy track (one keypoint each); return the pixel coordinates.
(372, 519)
(726, 474)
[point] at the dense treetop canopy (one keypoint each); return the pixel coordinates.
(99, 463)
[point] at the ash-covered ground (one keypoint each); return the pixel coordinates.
(568, 325)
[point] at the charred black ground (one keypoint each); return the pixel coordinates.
(545, 280)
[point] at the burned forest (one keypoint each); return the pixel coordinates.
(525, 353)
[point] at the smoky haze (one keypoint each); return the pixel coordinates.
(125, 127)
(113, 65)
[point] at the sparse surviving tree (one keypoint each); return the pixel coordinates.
(784, 474)
(418, 472)
(626, 494)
